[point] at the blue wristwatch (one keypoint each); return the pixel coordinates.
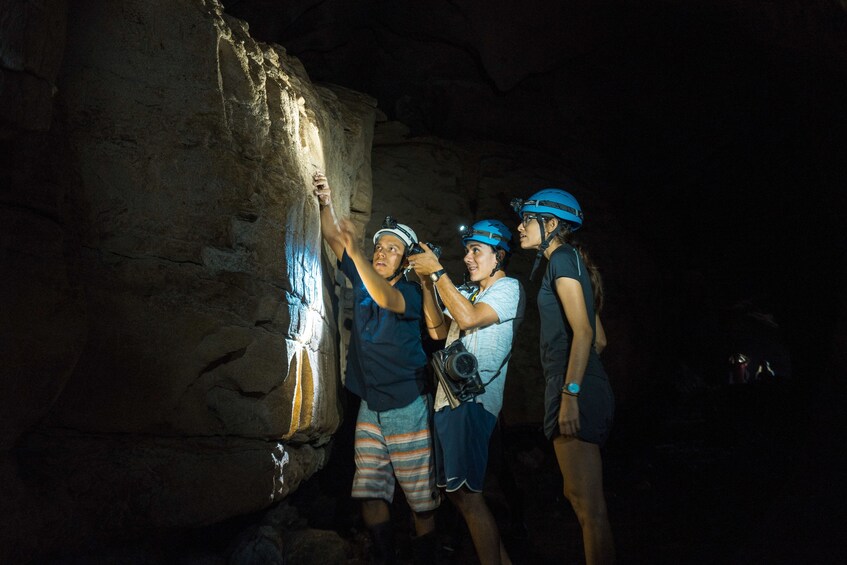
(571, 389)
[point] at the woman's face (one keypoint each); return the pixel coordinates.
(529, 232)
(480, 260)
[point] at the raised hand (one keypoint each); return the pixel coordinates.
(349, 236)
(322, 190)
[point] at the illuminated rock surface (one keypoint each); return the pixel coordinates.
(173, 355)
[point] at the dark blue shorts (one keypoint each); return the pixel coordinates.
(596, 408)
(461, 446)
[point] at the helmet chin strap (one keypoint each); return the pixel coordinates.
(545, 243)
(401, 270)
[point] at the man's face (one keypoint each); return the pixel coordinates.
(388, 254)
(480, 260)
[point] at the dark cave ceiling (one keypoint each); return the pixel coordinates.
(589, 77)
(716, 127)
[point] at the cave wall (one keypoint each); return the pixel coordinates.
(172, 339)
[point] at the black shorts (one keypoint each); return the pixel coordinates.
(596, 408)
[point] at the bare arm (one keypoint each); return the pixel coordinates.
(570, 294)
(341, 236)
(437, 324)
(464, 312)
(600, 341)
(382, 292)
(329, 223)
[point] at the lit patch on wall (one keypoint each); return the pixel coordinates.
(307, 328)
(280, 460)
(304, 391)
(304, 273)
(312, 144)
(303, 246)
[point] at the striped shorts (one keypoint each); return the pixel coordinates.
(396, 445)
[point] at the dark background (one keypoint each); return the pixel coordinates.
(716, 133)
(714, 129)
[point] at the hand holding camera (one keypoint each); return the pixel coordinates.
(423, 258)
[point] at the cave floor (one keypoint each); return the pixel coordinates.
(725, 476)
(740, 475)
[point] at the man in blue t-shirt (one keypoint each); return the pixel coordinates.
(485, 315)
(386, 369)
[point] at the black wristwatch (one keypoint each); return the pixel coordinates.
(436, 275)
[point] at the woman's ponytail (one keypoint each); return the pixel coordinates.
(594, 274)
(564, 236)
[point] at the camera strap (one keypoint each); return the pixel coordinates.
(445, 391)
(473, 296)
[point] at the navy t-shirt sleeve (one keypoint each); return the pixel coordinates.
(564, 265)
(414, 299)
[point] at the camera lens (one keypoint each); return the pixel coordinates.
(461, 365)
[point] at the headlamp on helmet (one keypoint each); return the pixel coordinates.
(406, 234)
(491, 232)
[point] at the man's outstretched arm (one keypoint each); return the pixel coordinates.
(329, 222)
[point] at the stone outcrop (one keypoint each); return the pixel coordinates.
(172, 343)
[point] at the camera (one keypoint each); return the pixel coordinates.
(416, 248)
(459, 364)
(461, 369)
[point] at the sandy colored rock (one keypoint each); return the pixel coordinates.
(173, 355)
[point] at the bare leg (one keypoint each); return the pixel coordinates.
(504, 557)
(375, 511)
(582, 473)
(481, 524)
(377, 517)
(424, 522)
(425, 544)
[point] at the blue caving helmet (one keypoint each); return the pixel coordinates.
(554, 202)
(545, 203)
(492, 232)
